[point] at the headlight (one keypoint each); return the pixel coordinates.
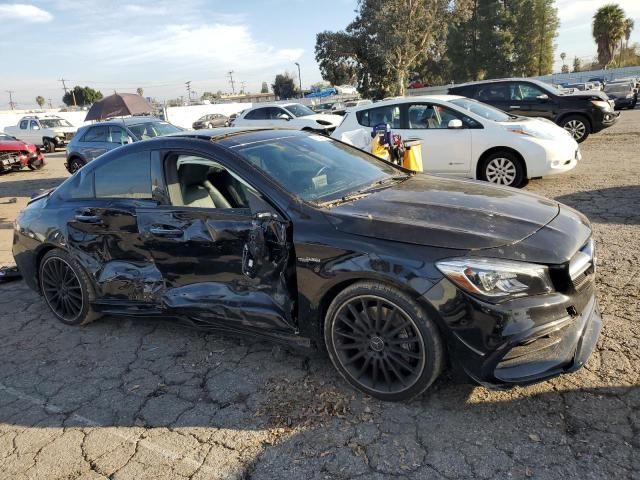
(629, 95)
(495, 279)
(601, 104)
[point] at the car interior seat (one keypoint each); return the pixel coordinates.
(197, 190)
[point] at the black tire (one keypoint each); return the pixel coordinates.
(503, 168)
(66, 288)
(49, 146)
(578, 126)
(209, 126)
(391, 336)
(37, 165)
(74, 164)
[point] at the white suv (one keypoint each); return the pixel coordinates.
(467, 138)
(287, 115)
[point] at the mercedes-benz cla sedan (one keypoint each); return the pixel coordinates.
(305, 240)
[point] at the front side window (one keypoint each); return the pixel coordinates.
(422, 116)
(494, 93)
(314, 167)
(128, 176)
(200, 182)
(389, 114)
(24, 124)
(34, 125)
(526, 92)
(482, 109)
(96, 134)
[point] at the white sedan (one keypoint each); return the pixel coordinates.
(467, 138)
(287, 115)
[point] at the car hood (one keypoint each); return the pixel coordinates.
(14, 145)
(439, 212)
(588, 95)
(545, 128)
(325, 119)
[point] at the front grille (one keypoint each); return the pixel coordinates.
(68, 136)
(582, 266)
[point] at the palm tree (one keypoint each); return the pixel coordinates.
(608, 30)
(562, 57)
(628, 28)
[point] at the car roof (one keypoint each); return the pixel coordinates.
(223, 134)
(498, 80)
(127, 120)
(411, 99)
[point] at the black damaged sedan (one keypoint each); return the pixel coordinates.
(298, 238)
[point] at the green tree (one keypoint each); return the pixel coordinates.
(40, 100)
(565, 68)
(335, 54)
(608, 31)
(83, 96)
(209, 96)
(265, 88)
(577, 64)
(563, 55)
(140, 91)
(628, 28)
(284, 86)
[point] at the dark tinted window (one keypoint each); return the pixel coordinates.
(494, 92)
(388, 114)
(526, 92)
(77, 187)
(24, 124)
(96, 134)
(422, 116)
(125, 177)
(257, 114)
(35, 125)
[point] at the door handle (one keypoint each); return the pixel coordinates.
(166, 232)
(88, 218)
(514, 107)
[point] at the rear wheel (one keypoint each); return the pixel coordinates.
(577, 126)
(37, 165)
(66, 288)
(74, 165)
(382, 342)
(503, 168)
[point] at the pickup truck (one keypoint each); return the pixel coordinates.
(48, 131)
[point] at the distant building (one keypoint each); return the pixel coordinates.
(248, 98)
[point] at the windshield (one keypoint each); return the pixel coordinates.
(482, 109)
(315, 167)
(143, 131)
(54, 122)
(617, 88)
(299, 110)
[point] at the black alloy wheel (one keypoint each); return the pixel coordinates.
(74, 165)
(49, 146)
(382, 342)
(66, 288)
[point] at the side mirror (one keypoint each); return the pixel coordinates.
(35, 127)
(543, 98)
(455, 123)
(284, 116)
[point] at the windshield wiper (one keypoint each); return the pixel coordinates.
(363, 192)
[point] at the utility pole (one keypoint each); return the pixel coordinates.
(73, 94)
(232, 81)
(188, 84)
(11, 104)
(50, 106)
(242, 84)
(299, 78)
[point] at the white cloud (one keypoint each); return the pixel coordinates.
(209, 47)
(580, 12)
(24, 12)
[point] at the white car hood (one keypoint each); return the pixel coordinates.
(545, 128)
(63, 130)
(330, 119)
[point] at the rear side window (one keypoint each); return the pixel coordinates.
(96, 134)
(257, 114)
(494, 93)
(125, 177)
(388, 114)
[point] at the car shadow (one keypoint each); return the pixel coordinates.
(607, 205)
(289, 411)
(18, 184)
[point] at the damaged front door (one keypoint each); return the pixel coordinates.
(224, 262)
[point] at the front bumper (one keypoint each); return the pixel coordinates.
(605, 120)
(523, 341)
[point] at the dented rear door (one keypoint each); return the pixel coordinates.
(221, 267)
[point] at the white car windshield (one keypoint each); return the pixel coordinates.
(145, 130)
(54, 122)
(482, 109)
(299, 110)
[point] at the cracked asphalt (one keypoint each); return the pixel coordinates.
(137, 399)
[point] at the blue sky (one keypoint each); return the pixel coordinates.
(160, 44)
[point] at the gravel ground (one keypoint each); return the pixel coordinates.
(138, 399)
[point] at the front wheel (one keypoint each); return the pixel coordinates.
(74, 165)
(37, 165)
(382, 342)
(503, 168)
(577, 126)
(49, 146)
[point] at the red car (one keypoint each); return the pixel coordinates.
(15, 154)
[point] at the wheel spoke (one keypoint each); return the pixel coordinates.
(352, 325)
(350, 346)
(378, 321)
(364, 367)
(357, 356)
(348, 335)
(374, 373)
(400, 362)
(406, 353)
(389, 321)
(395, 371)
(365, 314)
(395, 331)
(402, 341)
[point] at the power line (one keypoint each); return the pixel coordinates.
(73, 94)
(188, 84)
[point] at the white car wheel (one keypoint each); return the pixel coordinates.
(501, 170)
